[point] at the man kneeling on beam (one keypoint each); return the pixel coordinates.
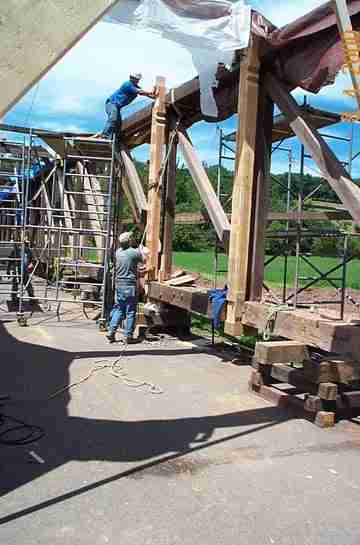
(127, 259)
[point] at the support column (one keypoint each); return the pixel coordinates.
(262, 200)
(169, 211)
(243, 200)
(157, 145)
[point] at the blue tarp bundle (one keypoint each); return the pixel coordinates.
(33, 172)
(218, 300)
(6, 191)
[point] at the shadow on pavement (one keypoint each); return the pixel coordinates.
(30, 372)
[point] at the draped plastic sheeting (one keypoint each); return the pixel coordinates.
(210, 29)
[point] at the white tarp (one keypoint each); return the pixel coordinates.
(210, 29)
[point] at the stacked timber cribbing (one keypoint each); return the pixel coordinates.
(322, 385)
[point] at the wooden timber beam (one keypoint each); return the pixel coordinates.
(196, 218)
(169, 210)
(191, 299)
(262, 164)
(132, 186)
(188, 218)
(243, 199)
(205, 189)
(305, 327)
(157, 146)
(330, 167)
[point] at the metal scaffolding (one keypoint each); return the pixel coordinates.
(295, 237)
(62, 214)
(14, 164)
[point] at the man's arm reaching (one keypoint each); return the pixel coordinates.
(149, 94)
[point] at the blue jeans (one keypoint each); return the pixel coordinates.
(125, 308)
(113, 123)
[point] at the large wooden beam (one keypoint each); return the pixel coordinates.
(243, 199)
(262, 187)
(305, 327)
(188, 218)
(330, 167)
(169, 211)
(157, 146)
(35, 35)
(132, 186)
(191, 299)
(205, 189)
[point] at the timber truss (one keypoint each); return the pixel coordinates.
(79, 212)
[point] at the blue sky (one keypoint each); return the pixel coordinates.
(71, 96)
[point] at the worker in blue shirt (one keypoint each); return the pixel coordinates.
(122, 97)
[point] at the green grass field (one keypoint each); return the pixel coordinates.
(203, 263)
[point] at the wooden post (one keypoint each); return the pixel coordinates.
(262, 199)
(169, 211)
(157, 144)
(241, 239)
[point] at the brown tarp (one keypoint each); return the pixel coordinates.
(308, 53)
(206, 9)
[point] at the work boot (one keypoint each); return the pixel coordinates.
(110, 337)
(130, 340)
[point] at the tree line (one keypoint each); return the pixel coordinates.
(202, 237)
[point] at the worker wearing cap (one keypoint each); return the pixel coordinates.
(122, 97)
(127, 259)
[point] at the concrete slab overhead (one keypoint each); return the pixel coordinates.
(35, 34)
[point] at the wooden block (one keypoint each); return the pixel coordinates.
(313, 404)
(280, 352)
(248, 331)
(182, 280)
(280, 399)
(349, 400)
(140, 331)
(325, 419)
(177, 273)
(295, 377)
(234, 329)
(328, 390)
(332, 370)
(256, 378)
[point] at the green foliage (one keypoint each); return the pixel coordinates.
(327, 246)
(200, 237)
(189, 238)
